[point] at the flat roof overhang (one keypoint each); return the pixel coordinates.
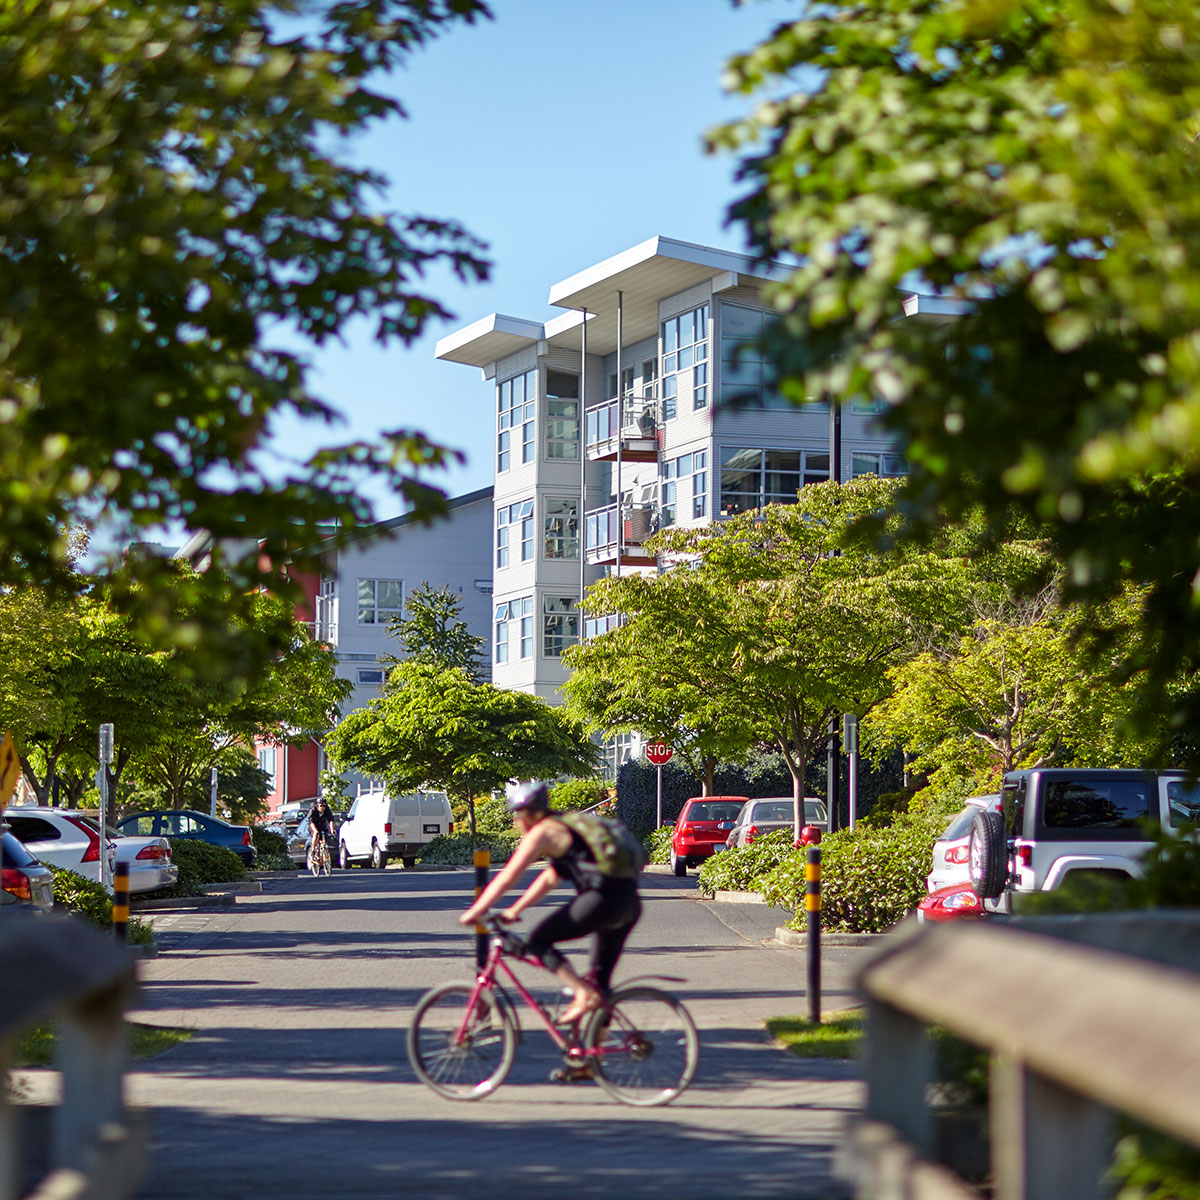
(484, 341)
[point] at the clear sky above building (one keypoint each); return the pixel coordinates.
(560, 132)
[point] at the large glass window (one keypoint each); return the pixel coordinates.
(514, 531)
(523, 610)
(516, 403)
(379, 600)
(562, 529)
(519, 613)
(562, 415)
(886, 466)
(1106, 809)
(685, 353)
(751, 478)
(694, 469)
(746, 375)
(560, 625)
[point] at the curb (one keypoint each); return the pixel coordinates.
(215, 900)
(232, 889)
(794, 939)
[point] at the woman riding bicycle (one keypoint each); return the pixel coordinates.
(604, 906)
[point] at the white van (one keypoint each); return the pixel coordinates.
(380, 827)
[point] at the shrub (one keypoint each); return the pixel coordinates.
(658, 844)
(490, 816)
(578, 793)
(200, 863)
(870, 878)
(744, 868)
(272, 850)
(92, 902)
(458, 849)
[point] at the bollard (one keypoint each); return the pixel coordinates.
(120, 906)
(483, 860)
(812, 929)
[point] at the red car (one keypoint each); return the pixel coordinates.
(954, 902)
(704, 821)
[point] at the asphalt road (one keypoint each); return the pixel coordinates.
(296, 1083)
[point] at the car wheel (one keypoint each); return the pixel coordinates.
(678, 865)
(378, 858)
(409, 862)
(987, 855)
(344, 857)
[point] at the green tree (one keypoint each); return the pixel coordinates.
(1035, 160)
(439, 728)
(434, 633)
(173, 213)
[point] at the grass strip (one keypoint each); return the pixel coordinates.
(836, 1036)
(36, 1047)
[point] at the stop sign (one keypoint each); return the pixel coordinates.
(659, 753)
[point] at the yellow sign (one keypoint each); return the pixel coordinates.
(10, 769)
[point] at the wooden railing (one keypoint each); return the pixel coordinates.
(1082, 1018)
(61, 971)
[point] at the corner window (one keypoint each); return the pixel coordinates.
(515, 399)
(514, 532)
(523, 610)
(751, 478)
(562, 415)
(560, 625)
(886, 466)
(500, 632)
(561, 531)
(747, 380)
(379, 600)
(685, 359)
(693, 468)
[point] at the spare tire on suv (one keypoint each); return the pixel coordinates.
(987, 855)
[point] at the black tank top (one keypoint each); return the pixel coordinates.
(578, 865)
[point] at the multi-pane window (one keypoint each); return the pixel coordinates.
(516, 404)
(562, 415)
(685, 349)
(693, 466)
(752, 478)
(509, 613)
(500, 632)
(886, 466)
(560, 625)
(266, 763)
(627, 376)
(514, 532)
(594, 627)
(369, 676)
(562, 528)
(523, 611)
(379, 600)
(746, 376)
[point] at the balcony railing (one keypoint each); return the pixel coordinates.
(633, 428)
(620, 530)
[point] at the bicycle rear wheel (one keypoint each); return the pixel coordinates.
(461, 1055)
(643, 1046)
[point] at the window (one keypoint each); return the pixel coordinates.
(266, 761)
(1184, 801)
(379, 600)
(886, 466)
(500, 639)
(700, 484)
(523, 609)
(627, 375)
(746, 376)
(507, 613)
(685, 349)
(1108, 809)
(515, 401)
(562, 415)
(866, 404)
(562, 529)
(514, 528)
(686, 466)
(370, 676)
(560, 625)
(594, 627)
(752, 478)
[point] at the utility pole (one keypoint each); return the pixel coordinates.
(106, 756)
(833, 762)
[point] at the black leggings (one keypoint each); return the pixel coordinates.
(610, 915)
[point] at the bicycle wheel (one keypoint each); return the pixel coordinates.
(466, 1067)
(326, 860)
(644, 1046)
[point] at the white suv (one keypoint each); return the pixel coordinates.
(1054, 821)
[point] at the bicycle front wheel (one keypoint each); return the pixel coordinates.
(461, 1054)
(643, 1046)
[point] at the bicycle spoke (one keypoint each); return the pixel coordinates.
(460, 1058)
(643, 1046)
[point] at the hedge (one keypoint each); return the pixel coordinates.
(93, 902)
(458, 849)
(741, 870)
(272, 850)
(200, 863)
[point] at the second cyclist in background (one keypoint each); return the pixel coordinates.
(321, 824)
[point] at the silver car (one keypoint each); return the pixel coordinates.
(769, 813)
(951, 857)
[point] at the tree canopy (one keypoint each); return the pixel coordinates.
(433, 631)
(1035, 161)
(173, 215)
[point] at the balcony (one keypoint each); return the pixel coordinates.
(634, 431)
(617, 535)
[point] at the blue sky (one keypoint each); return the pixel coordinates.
(560, 132)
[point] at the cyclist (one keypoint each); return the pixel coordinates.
(320, 820)
(604, 906)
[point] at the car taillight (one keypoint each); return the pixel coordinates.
(751, 834)
(92, 853)
(451, 826)
(387, 827)
(153, 852)
(247, 840)
(16, 882)
(685, 829)
(1024, 855)
(958, 854)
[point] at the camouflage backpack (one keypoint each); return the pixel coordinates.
(619, 854)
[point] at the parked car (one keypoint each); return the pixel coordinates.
(769, 813)
(380, 826)
(23, 879)
(186, 823)
(703, 822)
(60, 837)
(148, 860)
(954, 902)
(951, 851)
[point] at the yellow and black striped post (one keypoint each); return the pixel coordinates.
(483, 861)
(120, 907)
(812, 929)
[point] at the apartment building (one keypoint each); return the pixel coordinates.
(352, 599)
(614, 419)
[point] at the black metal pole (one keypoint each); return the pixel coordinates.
(812, 929)
(120, 905)
(833, 766)
(483, 861)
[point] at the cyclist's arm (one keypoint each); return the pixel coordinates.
(545, 881)
(529, 850)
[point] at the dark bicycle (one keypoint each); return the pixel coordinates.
(640, 1045)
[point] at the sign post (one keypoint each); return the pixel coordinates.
(10, 773)
(106, 756)
(850, 744)
(659, 753)
(212, 793)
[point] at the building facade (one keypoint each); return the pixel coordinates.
(645, 404)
